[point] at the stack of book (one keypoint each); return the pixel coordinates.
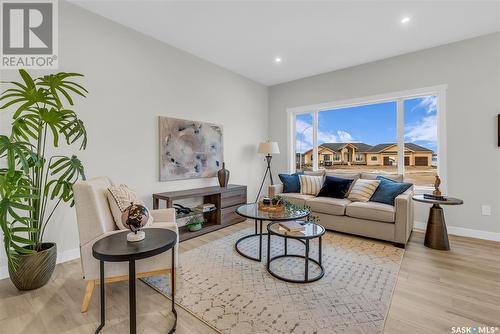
(434, 197)
(207, 207)
(293, 226)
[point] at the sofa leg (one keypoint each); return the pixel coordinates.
(88, 295)
(399, 245)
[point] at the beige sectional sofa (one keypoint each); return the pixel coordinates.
(369, 219)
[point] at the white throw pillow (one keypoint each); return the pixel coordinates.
(119, 198)
(362, 190)
(310, 185)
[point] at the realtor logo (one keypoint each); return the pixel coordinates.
(29, 34)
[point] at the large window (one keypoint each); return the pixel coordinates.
(421, 123)
(303, 141)
(392, 135)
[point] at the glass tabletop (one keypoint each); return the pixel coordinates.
(311, 230)
(252, 211)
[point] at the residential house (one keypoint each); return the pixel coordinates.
(330, 154)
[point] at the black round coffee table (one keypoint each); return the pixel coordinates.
(116, 248)
(310, 231)
(252, 211)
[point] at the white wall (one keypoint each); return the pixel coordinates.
(132, 80)
(471, 70)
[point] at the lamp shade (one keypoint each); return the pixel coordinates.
(269, 147)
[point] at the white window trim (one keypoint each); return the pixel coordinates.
(439, 91)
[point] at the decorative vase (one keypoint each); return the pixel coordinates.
(35, 270)
(223, 175)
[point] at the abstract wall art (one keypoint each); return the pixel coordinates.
(189, 149)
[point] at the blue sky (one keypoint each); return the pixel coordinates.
(372, 124)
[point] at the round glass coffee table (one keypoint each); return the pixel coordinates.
(310, 231)
(252, 211)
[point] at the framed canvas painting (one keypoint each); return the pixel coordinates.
(189, 149)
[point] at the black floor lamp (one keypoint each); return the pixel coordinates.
(267, 148)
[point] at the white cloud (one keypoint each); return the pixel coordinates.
(304, 136)
(429, 103)
(345, 137)
(425, 130)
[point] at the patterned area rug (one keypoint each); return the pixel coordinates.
(237, 295)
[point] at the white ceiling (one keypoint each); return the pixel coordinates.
(311, 37)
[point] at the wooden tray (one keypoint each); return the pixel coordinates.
(271, 208)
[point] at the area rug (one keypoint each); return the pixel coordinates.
(235, 295)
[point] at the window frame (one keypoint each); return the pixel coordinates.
(439, 91)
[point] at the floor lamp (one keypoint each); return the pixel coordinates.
(267, 148)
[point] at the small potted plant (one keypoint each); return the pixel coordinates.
(195, 224)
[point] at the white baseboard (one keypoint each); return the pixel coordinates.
(464, 232)
(63, 256)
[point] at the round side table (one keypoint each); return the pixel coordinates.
(311, 231)
(436, 235)
(116, 248)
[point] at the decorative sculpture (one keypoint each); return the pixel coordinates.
(437, 182)
(135, 217)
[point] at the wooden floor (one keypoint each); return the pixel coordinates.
(435, 291)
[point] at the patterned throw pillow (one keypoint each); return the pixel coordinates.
(310, 185)
(363, 190)
(119, 198)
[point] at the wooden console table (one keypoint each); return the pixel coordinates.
(226, 201)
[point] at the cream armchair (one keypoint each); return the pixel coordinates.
(95, 221)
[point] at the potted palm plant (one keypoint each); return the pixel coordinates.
(33, 179)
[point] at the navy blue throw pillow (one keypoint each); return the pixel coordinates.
(388, 190)
(291, 183)
(335, 187)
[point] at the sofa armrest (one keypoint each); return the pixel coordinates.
(164, 215)
(404, 216)
(275, 189)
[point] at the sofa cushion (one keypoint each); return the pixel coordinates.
(388, 190)
(316, 173)
(335, 187)
(371, 211)
(363, 190)
(310, 185)
(296, 198)
(373, 176)
(328, 205)
(291, 182)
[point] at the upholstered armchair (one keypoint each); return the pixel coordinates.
(95, 222)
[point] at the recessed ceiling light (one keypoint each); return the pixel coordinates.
(405, 19)
(277, 60)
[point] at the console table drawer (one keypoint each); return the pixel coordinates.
(232, 198)
(229, 215)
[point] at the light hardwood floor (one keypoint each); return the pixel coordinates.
(435, 291)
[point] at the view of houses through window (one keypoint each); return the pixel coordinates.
(365, 139)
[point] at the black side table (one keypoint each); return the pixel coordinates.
(311, 231)
(116, 248)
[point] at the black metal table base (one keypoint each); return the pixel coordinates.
(132, 296)
(306, 258)
(258, 233)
